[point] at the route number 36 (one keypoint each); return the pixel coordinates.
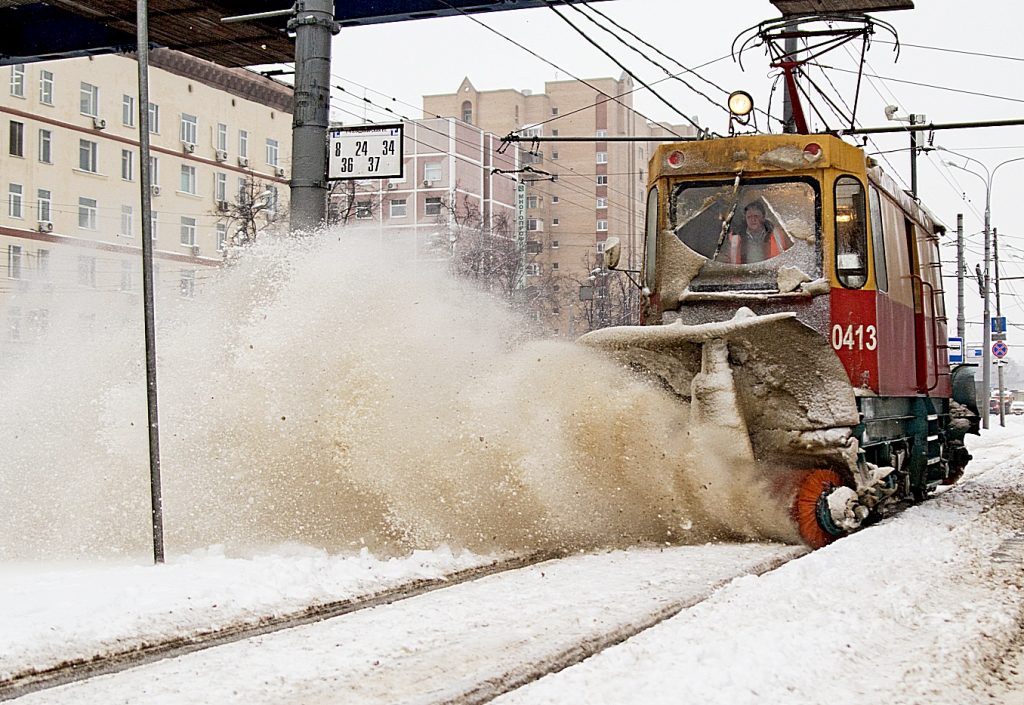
(852, 337)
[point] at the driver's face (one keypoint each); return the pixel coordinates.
(755, 221)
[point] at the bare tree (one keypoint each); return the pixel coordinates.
(608, 298)
(346, 201)
(256, 209)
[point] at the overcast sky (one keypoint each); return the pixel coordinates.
(396, 64)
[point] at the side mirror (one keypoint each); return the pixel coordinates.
(612, 250)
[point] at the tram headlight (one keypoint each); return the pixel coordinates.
(740, 103)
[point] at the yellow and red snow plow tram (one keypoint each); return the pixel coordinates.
(792, 295)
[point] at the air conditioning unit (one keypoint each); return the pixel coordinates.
(45, 226)
(194, 250)
(188, 147)
(279, 171)
(428, 183)
(222, 155)
(222, 206)
(99, 123)
(155, 189)
(243, 161)
(390, 187)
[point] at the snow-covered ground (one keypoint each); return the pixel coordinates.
(926, 607)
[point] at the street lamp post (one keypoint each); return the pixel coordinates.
(987, 317)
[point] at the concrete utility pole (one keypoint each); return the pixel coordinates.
(314, 27)
(999, 363)
(791, 46)
(961, 324)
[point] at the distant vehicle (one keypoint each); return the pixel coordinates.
(1017, 408)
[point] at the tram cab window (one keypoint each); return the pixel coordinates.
(878, 239)
(851, 233)
(744, 223)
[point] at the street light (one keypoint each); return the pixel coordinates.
(987, 318)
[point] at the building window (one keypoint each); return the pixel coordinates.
(87, 271)
(602, 225)
(534, 225)
(243, 190)
(187, 283)
(16, 143)
(532, 201)
(154, 118)
(43, 203)
(554, 199)
(46, 146)
(243, 143)
(602, 157)
(432, 206)
(153, 220)
(87, 213)
(364, 210)
(188, 179)
(432, 172)
(14, 261)
(554, 154)
(89, 100)
(222, 137)
(272, 200)
(602, 180)
(188, 231)
(220, 187)
(88, 156)
(43, 264)
(154, 171)
(533, 269)
(128, 110)
(467, 112)
(554, 133)
(554, 265)
(127, 165)
(127, 275)
(189, 128)
(272, 152)
(602, 202)
(18, 80)
(600, 247)
(222, 236)
(554, 111)
(554, 222)
(601, 133)
(554, 244)
(398, 207)
(46, 87)
(16, 201)
(127, 221)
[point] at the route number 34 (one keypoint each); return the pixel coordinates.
(853, 337)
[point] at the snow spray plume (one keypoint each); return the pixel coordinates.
(327, 391)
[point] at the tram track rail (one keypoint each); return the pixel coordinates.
(79, 669)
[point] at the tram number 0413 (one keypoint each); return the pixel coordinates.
(853, 337)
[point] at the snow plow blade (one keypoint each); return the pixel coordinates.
(772, 380)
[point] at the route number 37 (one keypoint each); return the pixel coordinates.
(853, 337)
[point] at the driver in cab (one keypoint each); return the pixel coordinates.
(756, 238)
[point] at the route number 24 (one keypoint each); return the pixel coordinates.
(853, 337)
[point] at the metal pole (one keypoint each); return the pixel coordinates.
(145, 181)
(314, 26)
(986, 373)
(790, 47)
(913, 157)
(999, 363)
(961, 325)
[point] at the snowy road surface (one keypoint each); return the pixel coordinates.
(926, 607)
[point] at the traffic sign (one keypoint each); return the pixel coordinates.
(956, 350)
(999, 349)
(365, 152)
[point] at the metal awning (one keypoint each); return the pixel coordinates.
(810, 7)
(36, 31)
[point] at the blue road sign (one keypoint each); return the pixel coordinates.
(998, 324)
(956, 350)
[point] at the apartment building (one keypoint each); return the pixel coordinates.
(581, 192)
(454, 180)
(69, 169)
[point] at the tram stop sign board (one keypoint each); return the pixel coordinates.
(956, 350)
(365, 152)
(999, 349)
